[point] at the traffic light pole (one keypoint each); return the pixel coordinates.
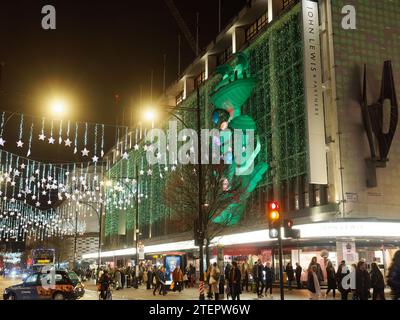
(200, 200)
(280, 248)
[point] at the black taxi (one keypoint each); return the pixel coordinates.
(52, 285)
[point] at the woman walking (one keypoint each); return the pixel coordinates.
(313, 283)
(330, 271)
(377, 283)
(363, 282)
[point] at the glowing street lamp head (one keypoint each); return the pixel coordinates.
(150, 115)
(58, 107)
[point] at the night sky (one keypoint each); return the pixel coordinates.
(99, 49)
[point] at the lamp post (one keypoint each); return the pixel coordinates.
(75, 238)
(137, 232)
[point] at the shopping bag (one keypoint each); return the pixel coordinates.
(172, 286)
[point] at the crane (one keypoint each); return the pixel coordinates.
(182, 25)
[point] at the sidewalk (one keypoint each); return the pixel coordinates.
(193, 294)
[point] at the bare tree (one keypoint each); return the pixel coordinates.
(219, 192)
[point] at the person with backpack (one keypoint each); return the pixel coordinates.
(394, 276)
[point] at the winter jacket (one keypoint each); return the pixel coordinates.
(394, 281)
(298, 273)
(235, 276)
(310, 282)
(340, 276)
(269, 275)
(290, 273)
(363, 284)
(377, 281)
(331, 278)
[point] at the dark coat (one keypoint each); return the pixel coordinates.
(319, 271)
(377, 281)
(394, 281)
(363, 284)
(235, 277)
(310, 282)
(290, 273)
(228, 269)
(339, 278)
(331, 278)
(269, 275)
(299, 270)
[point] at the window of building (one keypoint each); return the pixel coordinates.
(288, 3)
(200, 79)
(224, 56)
(256, 26)
(179, 98)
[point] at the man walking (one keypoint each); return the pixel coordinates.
(269, 279)
(299, 270)
(235, 281)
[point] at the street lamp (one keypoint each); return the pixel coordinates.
(58, 106)
(150, 115)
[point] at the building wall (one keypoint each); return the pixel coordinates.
(376, 39)
(84, 245)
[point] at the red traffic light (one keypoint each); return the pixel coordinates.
(289, 224)
(274, 205)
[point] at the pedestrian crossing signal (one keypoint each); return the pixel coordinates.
(289, 232)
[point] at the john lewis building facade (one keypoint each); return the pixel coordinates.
(310, 120)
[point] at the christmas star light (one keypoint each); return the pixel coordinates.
(85, 152)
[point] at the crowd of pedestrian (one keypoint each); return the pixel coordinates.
(358, 281)
(355, 280)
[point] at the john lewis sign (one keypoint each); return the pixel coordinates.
(313, 91)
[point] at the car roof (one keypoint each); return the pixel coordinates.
(47, 272)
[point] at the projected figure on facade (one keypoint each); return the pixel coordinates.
(228, 97)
